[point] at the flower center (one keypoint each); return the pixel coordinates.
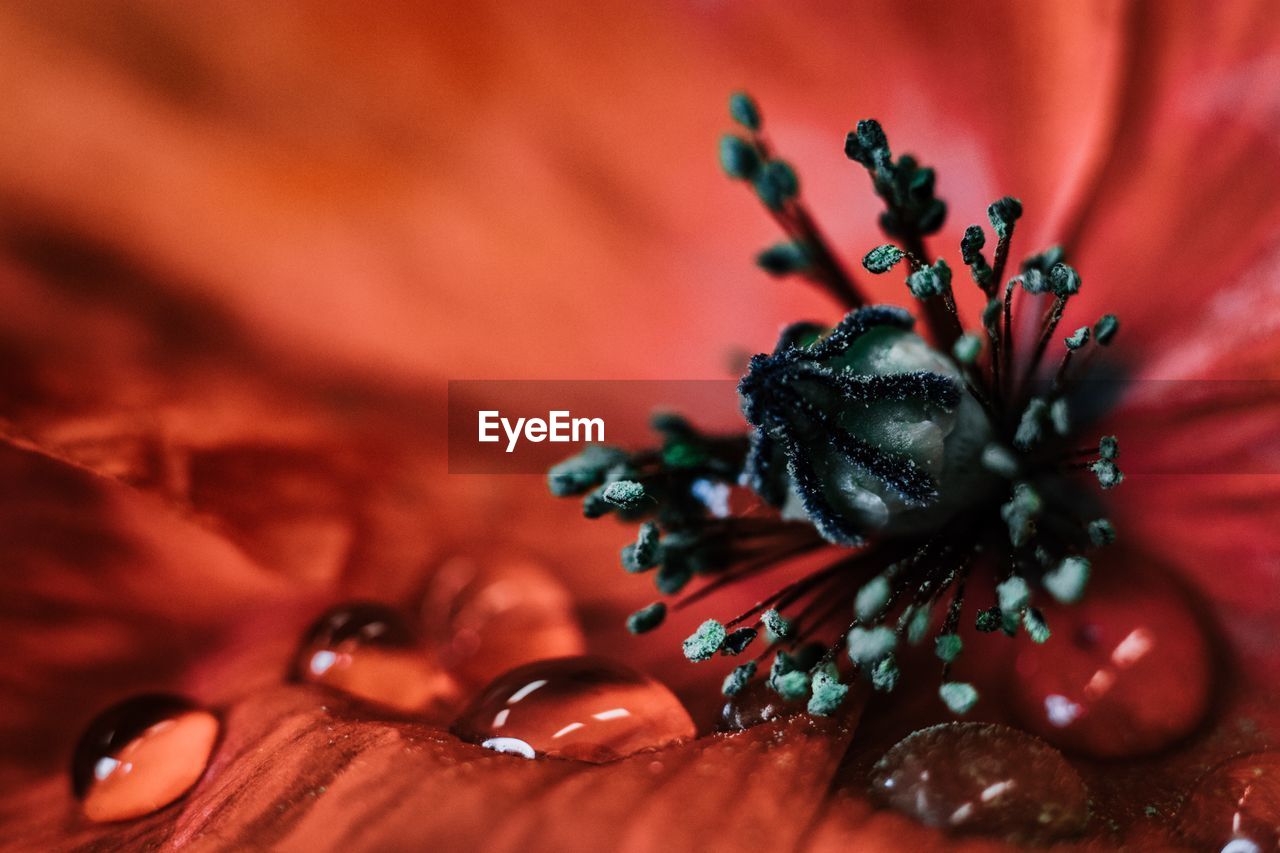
(912, 465)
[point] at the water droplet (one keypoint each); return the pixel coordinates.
(757, 703)
(368, 651)
(1236, 806)
(585, 708)
(492, 613)
(983, 778)
(140, 755)
(1127, 671)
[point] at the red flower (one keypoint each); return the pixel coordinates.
(244, 249)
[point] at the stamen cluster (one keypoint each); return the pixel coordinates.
(911, 466)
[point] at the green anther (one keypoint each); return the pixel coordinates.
(881, 259)
(1109, 476)
(1037, 628)
(828, 692)
(1104, 331)
(989, 620)
(1034, 282)
(737, 680)
(917, 622)
(673, 574)
(948, 647)
(924, 283)
(777, 626)
(643, 554)
(884, 676)
(869, 645)
(1067, 582)
(791, 685)
(958, 696)
(624, 494)
(704, 642)
(1064, 280)
(1109, 447)
(1101, 532)
(784, 259)
(739, 158)
(1060, 417)
(743, 110)
(1020, 514)
(998, 459)
(1003, 213)
(737, 642)
(1014, 595)
(776, 184)
(872, 598)
(647, 618)
(967, 348)
(583, 471)
(971, 244)
(1078, 338)
(1031, 425)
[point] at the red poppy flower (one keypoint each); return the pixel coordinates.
(243, 249)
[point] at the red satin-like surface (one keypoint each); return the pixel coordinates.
(243, 250)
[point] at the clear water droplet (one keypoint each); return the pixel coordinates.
(984, 779)
(141, 755)
(756, 704)
(491, 613)
(1235, 806)
(586, 708)
(1127, 671)
(368, 651)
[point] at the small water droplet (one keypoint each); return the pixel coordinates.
(368, 651)
(584, 708)
(757, 703)
(491, 613)
(983, 778)
(1127, 671)
(1236, 803)
(140, 755)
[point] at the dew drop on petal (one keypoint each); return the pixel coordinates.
(757, 703)
(140, 755)
(488, 614)
(1235, 806)
(984, 779)
(1128, 670)
(368, 651)
(585, 708)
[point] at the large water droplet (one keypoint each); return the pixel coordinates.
(757, 703)
(1235, 807)
(492, 613)
(585, 708)
(1127, 671)
(369, 651)
(983, 778)
(141, 755)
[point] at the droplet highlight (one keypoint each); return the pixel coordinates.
(368, 651)
(490, 613)
(1128, 670)
(983, 779)
(141, 755)
(1235, 807)
(584, 708)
